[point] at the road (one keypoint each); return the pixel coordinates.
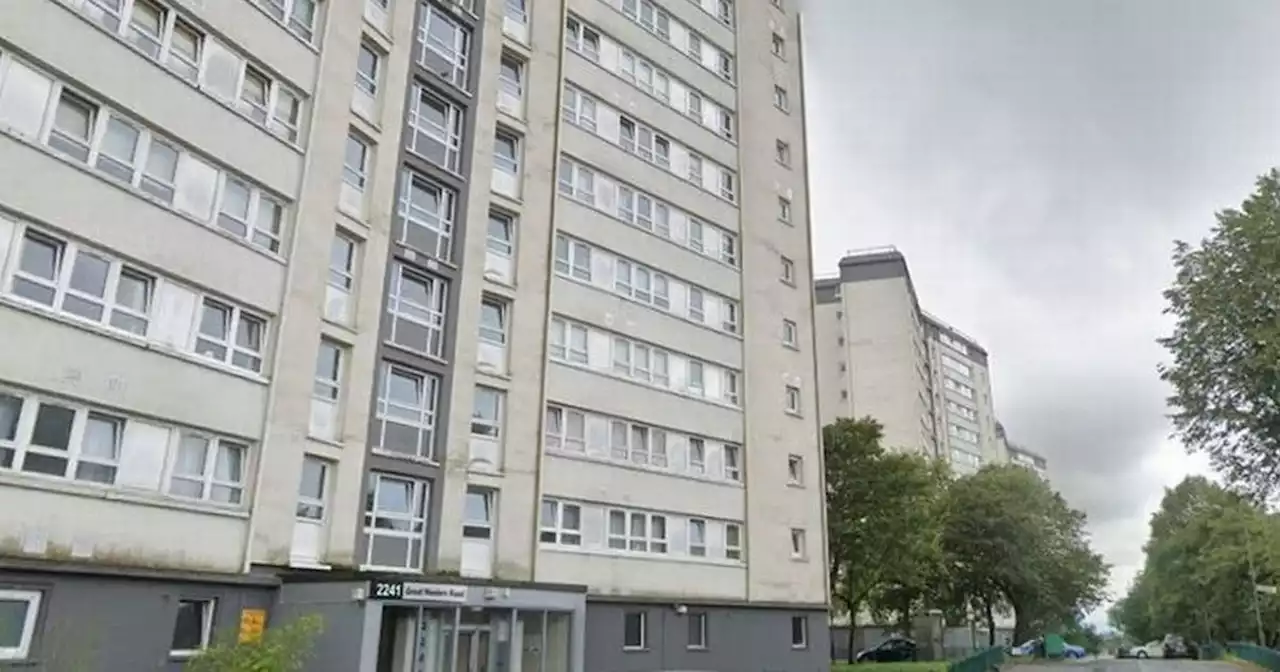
(1129, 665)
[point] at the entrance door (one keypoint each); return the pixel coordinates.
(473, 650)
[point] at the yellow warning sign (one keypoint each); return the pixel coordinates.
(252, 623)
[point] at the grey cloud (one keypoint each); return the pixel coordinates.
(1034, 160)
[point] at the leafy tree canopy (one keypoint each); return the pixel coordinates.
(1225, 345)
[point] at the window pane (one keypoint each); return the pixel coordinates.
(13, 618)
(53, 427)
(188, 627)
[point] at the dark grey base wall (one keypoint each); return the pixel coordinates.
(105, 623)
(739, 639)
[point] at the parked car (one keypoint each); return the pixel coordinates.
(1073, 652)
(892, 650)
(1176, 646)
(1152, 649)
(1027, 648)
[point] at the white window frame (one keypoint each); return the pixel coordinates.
(66, 254)
(732, 462)
(732, 551)
(645, 541)
(781, 99)
(576, 181)
(33, 599)
(432, 317)
(562, 345)
(793, 401)
(357, 176)
(698, 625)
(579, 108)
(788, 270)
(575, 262)
(440, 223)
(698, 540)
(957, 366)
(417, 517)
(324, 388)
(310, 507)
(488, 428)
(365, 81)
(208, 607)
(799, 544)
(561, 534)
(456, 55)
(696, 385)
(263, 234)
(795, 470)
(489, 334)
(729, 391)
(208, 479)
(480, 528)
(450, 135)
(803, 642)
(427, 411)
(514, 87)
(501, 162)
(790, 333)
(698, 465)
(343, 277)
(582, 39)
(73, 455)
(784, 210)
(505, 247)
(237, 318)
(558, 435)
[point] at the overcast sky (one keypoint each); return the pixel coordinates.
(1034, 160)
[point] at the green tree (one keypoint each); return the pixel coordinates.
(883, 532)
(1225, 346)
(1207, 547)
(1008, 539)
(283, 648)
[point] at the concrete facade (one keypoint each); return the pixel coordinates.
(881, 354)
(335, 287)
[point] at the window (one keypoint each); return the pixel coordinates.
(427, 211)
(229, 335)
(962, 411)
(781, 100)
(328, 382)
(732, 467)
(729, 392)
(779, 47)
(799, 632)
(572, 258)
(644, 142)
(255, 89)
(444, 46)
(637, 531)
(486, 413)
(506, 152)
(957, 432)
(784, 210)
(724, 65)
(957, 366)
(798, 548)
(795, 470)
(577, 181)
(724, 11)
(74, 280)
(511, 80)
(209, 469)
(697, 455)
(728, 190)
(561, 523)
(957, 387)
(417, 308)
(435, 130)
(355, 162)
(395, 521)
(493, 322)
(697, 630)
(566, 430)
(313, 488)
(192, 627)
(568, 342)
(782, 153)
(696, 383)
(582, 39)
(73, 123)
(248, 214)
(146, 26)
(19, 610)
(789, 331)
(478, 513)
(730, 323)
(694, 170)
(501, 234)
(642, 284)
(342, 262)
(697, 537)
(732, 541)
(406, 412)
(728, 248)
(368, 64)
(788, 271)
(517, 11)
(579, 109)
(635, 630)
(793, 399)
(61, 440)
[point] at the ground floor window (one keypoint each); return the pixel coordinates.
(192, 627)
(635, 628)
(18, 611)
(799, 632)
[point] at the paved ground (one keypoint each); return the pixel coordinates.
(1129, 665)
